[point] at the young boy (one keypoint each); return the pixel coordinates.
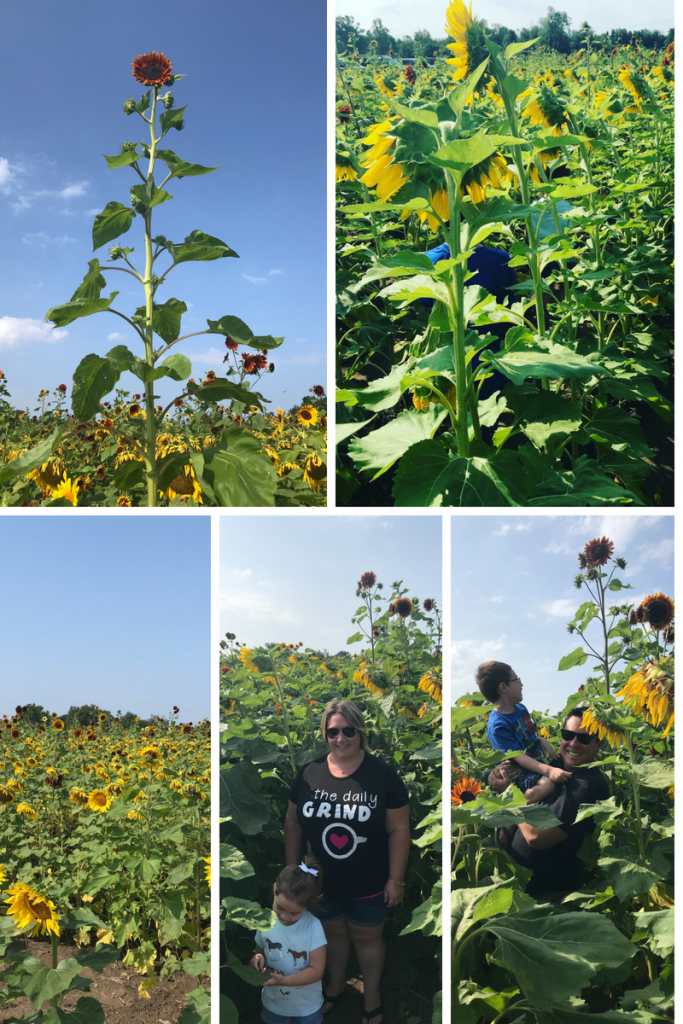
(510, 727)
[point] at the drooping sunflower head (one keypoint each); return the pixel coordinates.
(546, 110)
(658, 611)
(470, 44)
(343, 167)
(383, 174)
(152, 69)
(635, 84)
(246, 659)
(598, 551)
(490, 173)
(464, 791)
(367, 580)
(428, 604)
(49, 475)
(28, 811)
(207, 869)
(26, 906)
(150, 754)
(596, 722)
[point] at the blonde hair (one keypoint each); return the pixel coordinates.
(353, 715)
(299, 886)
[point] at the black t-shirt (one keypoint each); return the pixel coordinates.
(559, 868)
(344, 821)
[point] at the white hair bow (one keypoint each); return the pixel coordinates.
(309, 871)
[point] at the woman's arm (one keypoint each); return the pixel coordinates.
(294, 835)
(314, 972)
(542, 838)
(397, 824)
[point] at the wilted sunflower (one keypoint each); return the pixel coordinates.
(27, 811)
(595, 722)
(403, 607)
(464, 791)
(78, 796)
(315, 472)
(98, 800)
(26, 906)
(470, 44)
(152, 69)
(431, 684)
(489, 173)
(343, 168)
(78, 734)
(368, 579)
(598, 551)
(650, 693)
(428, 604)
(307, 416)
(49, 475)
(658, 611)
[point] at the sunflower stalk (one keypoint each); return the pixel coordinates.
(455, 312)
(150, 421)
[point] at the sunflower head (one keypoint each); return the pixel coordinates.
(367, 580)
(152, 69)
(658, 611)
(26, 906)
(403, 607)
(315, 472)
(464, 791)
(469, 47)
(598, 551)
(307, 416)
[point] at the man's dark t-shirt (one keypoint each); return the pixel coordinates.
(344, 821)
(559, 868)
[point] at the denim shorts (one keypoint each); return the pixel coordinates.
(526, 779)
(277, 1018)
(365, 912)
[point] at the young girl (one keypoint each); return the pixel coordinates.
(293, 950)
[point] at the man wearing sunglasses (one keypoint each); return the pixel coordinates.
(552, 853)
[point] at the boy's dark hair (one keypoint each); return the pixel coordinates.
(489, 677)
(300, 886)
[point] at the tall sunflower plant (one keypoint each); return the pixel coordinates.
(477, 163)
(156, 324)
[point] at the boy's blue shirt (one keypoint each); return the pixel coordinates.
(515, 731)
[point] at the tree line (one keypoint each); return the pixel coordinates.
(554, 32)
(83, 716)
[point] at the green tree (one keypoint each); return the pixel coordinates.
(385, 40)
(555, 31)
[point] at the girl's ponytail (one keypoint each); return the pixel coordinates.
(302, 883)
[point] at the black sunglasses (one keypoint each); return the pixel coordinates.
(348, 730)
(582, 737)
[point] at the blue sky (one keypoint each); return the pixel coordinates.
(514, 593)
(256, 97)
(294, 578)
(405, 17)
(106, 610)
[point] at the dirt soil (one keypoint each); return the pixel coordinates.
(349, 1007)
(116, 988)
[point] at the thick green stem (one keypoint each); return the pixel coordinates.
(456, 289)
(150, 423)
(54, 941)
(455, 969)
(635, 786)
(285, 717)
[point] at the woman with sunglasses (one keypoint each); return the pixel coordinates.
(351, 810)
(552, 853)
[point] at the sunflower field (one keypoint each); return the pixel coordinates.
(98, 464)
(504, 275)
(105, 845)
(272, 700)
(607, 947)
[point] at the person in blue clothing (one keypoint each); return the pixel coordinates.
(511, 727)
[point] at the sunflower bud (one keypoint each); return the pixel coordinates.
(128, 147)
(578, 580)
(168, 100)
(570, 627)
(137, 205)
(620, 562)
(129, 107)
(116, 252)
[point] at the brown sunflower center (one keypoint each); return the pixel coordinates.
(152, 71)
(466, 797)
(657, 611)
(38, 909)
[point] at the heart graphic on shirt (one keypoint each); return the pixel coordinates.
(339, 841)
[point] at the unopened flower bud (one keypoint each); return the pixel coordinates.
(127, 147)
(129, 107)
(168, 100)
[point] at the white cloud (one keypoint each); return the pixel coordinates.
(92, 213)
(563, 608)
(505, 529)
(620, 529)
(466, 655)
(6, 174)
(496, 600)
(275, 273)
(79, 188)
(312, 359)
(255, 280)
(241, 572)
(16, 331)
(255, 607)
(212, 357)
(41, 239)
(115, 336)
(21, 203)
(661, 554)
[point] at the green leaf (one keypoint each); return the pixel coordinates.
(343, 431)
(660, 928)
(91, 285)
(379, 450)
(233, 863)
(233, 327)
(99, 957)
(244, 972)
(249, 915)
(88, 1011)
(166, 318)
(584, 484)
(144, 102)
(461, 155)
(239, 473)
(159, 195)
(198, 1008)
(545, 416)
(555, 361)
(512, 49)
(30, 460)
(572, 191)
(228, 1011)
(172, 918)
(82, 917)
(177, 367)
(180, 168)
(41, 983)
(221, 389)
(569, 948)
(458, 97)
(114, 220)
(419, 287)
(94, 377)
(200, 246)
(429, 475)
(129, 475)
(423, 117)
(380, 394)
(356, 638)
(427, 918)
(65, 314)
(170, 467)
(501, 901)
(198, 963)
(242, 798)
(577, 657)
(629, 876)
(122, 159)
(172, 118)
(618, 429)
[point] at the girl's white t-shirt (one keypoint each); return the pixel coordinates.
(287, 948)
